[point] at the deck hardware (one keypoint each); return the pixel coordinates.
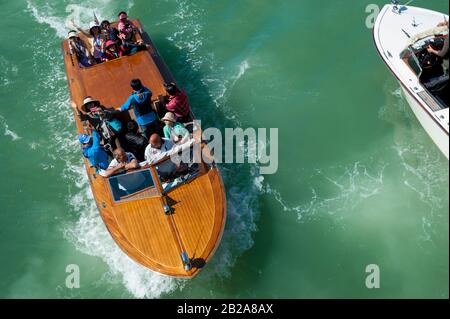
(395, 6)
(186, 261)
(167, 209)
(103, 205)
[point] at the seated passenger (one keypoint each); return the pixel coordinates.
(108, 32)
(93, 151)
(173, 130)
(157, 148)
(112, 51)
(96, 42)
(94, 110)
(130, 48)
(135, 142)
(141, 101)
(78, 47)
(122, 161)
(95, 39)
(101, 118)
(127, 32)
(126, 27)
(178, 103)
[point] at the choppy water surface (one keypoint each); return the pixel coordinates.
(359, 181)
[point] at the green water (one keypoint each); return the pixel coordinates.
(359, 181)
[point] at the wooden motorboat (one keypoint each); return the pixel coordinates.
(170, 227)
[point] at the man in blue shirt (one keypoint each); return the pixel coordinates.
(93, 151)
(141, 102)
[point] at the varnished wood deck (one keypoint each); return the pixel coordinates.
(139, 226)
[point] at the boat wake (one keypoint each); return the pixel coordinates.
(426, 174)
(87, 231)
(7, 132)
(342, 191)
(424, 169)
(8, 72)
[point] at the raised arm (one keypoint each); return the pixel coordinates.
(79, 29)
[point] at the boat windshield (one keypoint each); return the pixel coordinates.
(173, 174)
(412, 60)
(134, 185)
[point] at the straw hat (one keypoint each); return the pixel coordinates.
(71, 34)
(169, 117)
(88, 100)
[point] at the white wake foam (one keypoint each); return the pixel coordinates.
(425, 171)
(8, 72)
(56, 23)
(7, 131)
(426, 174)
(352, 186)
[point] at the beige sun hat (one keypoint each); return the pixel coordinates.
(169, 117)
(71, 34)
(87, 100)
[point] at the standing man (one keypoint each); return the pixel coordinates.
(140, 101)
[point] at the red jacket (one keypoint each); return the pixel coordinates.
(179, 104)
(110, 56)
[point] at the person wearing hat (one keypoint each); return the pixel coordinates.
(95, 38)
(94, 110)
(96, 42)
(98, 116)
(78, 47)
(93, 151)
(112, 50)
(173, 130)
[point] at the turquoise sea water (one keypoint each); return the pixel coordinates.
(359, 181)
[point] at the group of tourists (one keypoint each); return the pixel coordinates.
(105, 42)
(147, 138)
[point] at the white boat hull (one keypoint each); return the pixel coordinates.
(392, 33)
(439, 136)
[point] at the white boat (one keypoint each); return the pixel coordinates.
(402, 35)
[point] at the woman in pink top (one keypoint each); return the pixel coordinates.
(126, 27)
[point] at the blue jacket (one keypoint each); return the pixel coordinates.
(141, 102)
(95, 153)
